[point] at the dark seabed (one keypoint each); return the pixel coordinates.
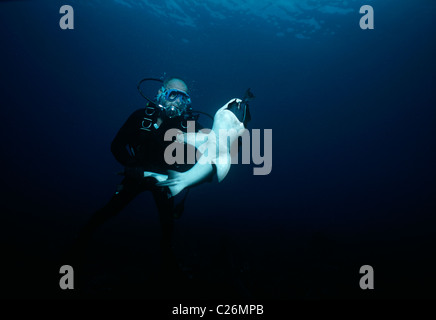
(352, 114)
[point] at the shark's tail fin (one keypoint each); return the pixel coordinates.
(248, 96)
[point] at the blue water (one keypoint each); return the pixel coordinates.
(352, 113)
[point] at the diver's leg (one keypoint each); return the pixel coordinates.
(165, 205)
(125, 193)
(165, 208)
(75, 255)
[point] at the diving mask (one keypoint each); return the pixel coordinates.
(174, 102)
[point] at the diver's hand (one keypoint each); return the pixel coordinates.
(175, 183)
(174, 178)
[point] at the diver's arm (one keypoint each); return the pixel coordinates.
(120, 152)
(201, 172)
(120, 143)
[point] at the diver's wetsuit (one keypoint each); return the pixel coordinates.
(140, 146)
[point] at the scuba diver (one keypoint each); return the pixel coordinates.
(139, 146)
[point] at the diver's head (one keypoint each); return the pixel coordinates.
(173, 97)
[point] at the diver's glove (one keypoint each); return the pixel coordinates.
(135, 173)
